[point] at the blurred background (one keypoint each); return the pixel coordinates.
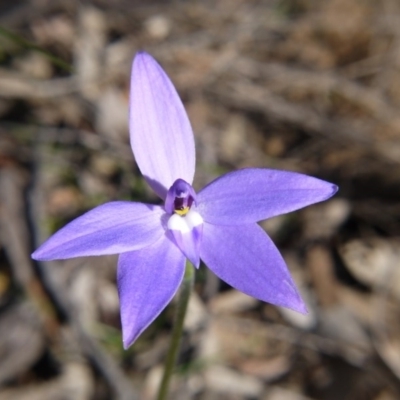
(302, 85)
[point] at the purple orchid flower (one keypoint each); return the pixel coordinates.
(217, 225)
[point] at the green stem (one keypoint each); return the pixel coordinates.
(19, 40)
(180, 312)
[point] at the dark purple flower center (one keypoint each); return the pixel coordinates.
(180, 198)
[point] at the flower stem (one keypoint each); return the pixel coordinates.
(180, 312)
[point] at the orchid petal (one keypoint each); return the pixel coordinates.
(246, 258)
(186, 232)
(253, 194)
(111, 228)
(147, 280)
(188, 243)
(161, 136)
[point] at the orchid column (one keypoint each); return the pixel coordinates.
(217, 225)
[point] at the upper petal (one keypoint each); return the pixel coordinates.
(161, 136)
(253, 194)
(147, 280)
(111, 228)
(246, 258)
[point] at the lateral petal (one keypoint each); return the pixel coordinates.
(147, 281)
(161, 136)
(246, 258)
(111, 228)
(253, 194)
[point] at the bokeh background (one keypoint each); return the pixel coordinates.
(302, 85)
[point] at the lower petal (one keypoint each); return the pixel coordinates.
(147, 281)
(247, 259)
(186, 232)
(188, 243)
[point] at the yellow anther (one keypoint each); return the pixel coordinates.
(182, 211)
